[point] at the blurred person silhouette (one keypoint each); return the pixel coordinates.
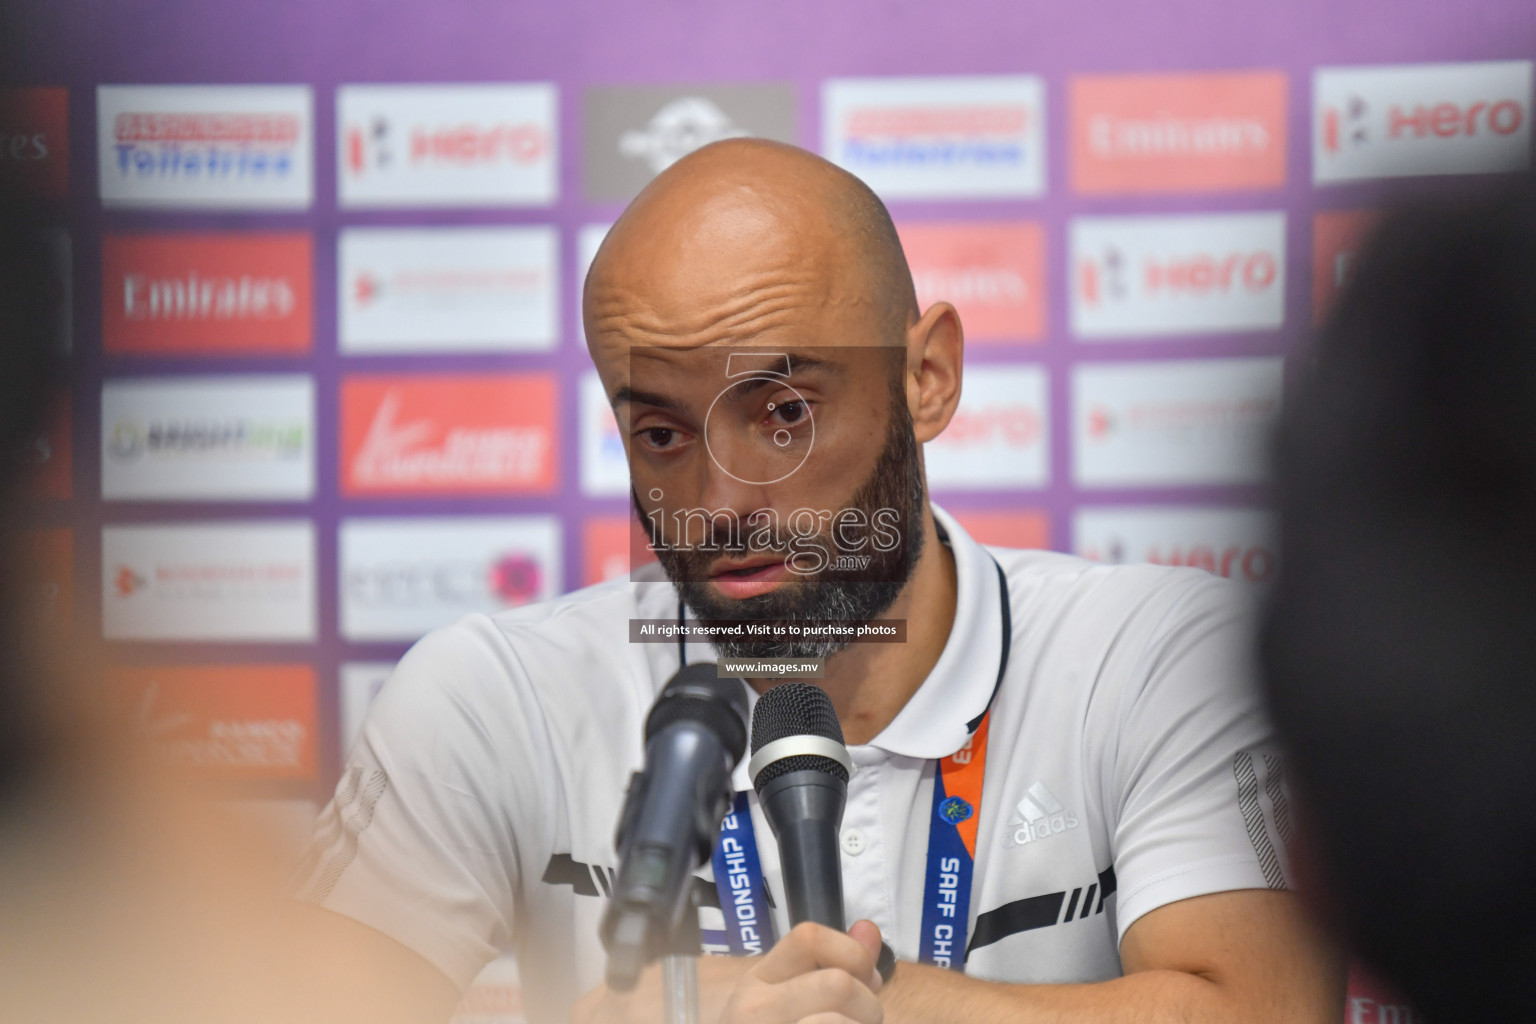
(1400, 646)
(126, 895)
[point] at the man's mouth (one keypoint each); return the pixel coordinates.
(750, 577)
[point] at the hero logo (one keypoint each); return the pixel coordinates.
(997, 437)
(678, 129)
(1233, 543)
(445, 145)
(1421, 119)
(376, 145)
(232, 146)
(1148, 276)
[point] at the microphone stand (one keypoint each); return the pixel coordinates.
(680, 970)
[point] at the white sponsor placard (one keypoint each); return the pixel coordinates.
(361, 682)
(1141, 277)
(208, 438)
(401, 578)
(472, 289)
(588, 240)
(206, 146)
(446, 145)
(1190, 422)
(1238, 543)
(977, 137)
(227, 581)
(604, 467)
(999, 436)
(1420, 119)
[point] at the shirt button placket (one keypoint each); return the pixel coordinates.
(865, 885)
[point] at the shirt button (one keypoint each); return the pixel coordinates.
(853, 842)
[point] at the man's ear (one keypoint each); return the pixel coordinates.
(935, 352)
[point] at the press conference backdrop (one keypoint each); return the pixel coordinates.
(319, 269)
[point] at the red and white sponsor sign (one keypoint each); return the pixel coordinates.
(1369, 1001)
(446, 145)
(239, 147)
(1197, 421)
(1420, 119)
(1140, 277)
(938, 137)
(1336, 239)
(206, 295)
(225, 581)
(604, 466)
(612, 547)
(34, 143)
(472, 289)
(998, 436)
(401, 578)
(1014, 528)
(1237, 543)
(1178, 133)
(227, 721)
(994, 274)
(416, 434)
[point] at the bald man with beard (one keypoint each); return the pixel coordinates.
(1080, 744)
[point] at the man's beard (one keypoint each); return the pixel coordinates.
(841, 595)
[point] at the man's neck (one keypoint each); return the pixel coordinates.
(870, 683)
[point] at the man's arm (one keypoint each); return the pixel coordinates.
(1244, 956)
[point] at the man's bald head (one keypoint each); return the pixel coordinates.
(744, 219)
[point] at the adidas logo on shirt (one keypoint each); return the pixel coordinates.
(1040, 816)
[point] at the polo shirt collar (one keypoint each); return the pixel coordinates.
(935, 721)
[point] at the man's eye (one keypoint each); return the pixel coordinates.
(658, 437)
(790, 412)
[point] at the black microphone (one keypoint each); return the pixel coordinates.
(694, 736)
(800, 768)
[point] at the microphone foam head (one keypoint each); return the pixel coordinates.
(696, 695)
(795, 709)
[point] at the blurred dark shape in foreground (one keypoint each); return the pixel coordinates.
(1400, 647)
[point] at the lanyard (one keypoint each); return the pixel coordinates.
(952, 829)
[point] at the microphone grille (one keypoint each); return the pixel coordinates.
(696, 695)
(795, 709)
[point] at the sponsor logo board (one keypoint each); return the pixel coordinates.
(446, 145)
(939, 138)
(588, 240)
(1237, 543)
(414, 434)
(994, 274)
(1140, 277)
(611, 547)
(34, 143)
(604, 466)
(401, 578)
(1336, 239)
(206, 295)
(448, 289)
(998, 437)
(205, 146)
(361, 682)
(1178, 133)
(208, 438)
(226, 581)
(226, 721)
(633, 133)
(1420, 119)
(1187, 422)
(1014, 528)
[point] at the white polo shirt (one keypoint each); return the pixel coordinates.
(1128, 766)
